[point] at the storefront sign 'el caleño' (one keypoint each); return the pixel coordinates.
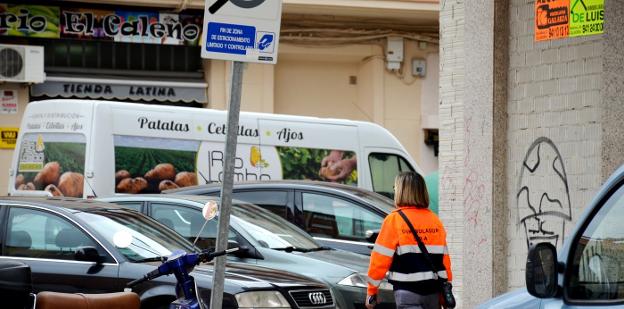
(96, 24)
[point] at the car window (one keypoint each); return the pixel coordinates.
(384, 168)
(275, 201)
(188, 222)
(131, 205)
(328, 216)
(38, 234)
(597, 271)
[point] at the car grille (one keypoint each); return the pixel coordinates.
(312, 298)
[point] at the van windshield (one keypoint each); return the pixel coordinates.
(53, 162)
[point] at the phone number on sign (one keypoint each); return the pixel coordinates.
(596, 27)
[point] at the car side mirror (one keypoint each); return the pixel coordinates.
(371, 235)
(244, 252)
(88, 254)
(541, 271)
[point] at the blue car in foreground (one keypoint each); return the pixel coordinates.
(589, 270)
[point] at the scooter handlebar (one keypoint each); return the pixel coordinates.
(207, 256)
(149, 276)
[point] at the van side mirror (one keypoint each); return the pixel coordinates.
(541, 271)
(88, 254)
(371, 235)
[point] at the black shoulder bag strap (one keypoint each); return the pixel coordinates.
(421, 245)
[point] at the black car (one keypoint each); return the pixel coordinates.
(338, 216)
(68, 243)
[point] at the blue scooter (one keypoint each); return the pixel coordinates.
(180, 265)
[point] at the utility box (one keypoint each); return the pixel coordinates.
(419, 67)
(394, 53)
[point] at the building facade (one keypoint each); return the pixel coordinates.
(333, 62)
(530, 129)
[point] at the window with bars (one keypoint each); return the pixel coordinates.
(117, 58)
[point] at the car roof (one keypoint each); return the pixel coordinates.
(284, 184)
(161, 197)
(69, 203)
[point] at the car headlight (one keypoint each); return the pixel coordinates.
(261, 299)
(359, 281)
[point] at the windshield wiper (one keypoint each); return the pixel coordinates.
(151, 259)
(291, 249)
(322, 248)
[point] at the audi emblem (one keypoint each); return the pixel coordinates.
(317, 298)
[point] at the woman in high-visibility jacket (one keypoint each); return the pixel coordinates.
(396, 251)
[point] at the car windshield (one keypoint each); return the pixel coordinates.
(149, 239)
(270, 230)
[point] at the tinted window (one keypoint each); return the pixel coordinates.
(384, 168)
(149, 239)
(333, 217)
(597, 271)
(275, 201)
(37, 234)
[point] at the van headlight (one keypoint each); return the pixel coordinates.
(359, 281)
(261, 299)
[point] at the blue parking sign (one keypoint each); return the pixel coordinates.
(242, 30)
(230, 38)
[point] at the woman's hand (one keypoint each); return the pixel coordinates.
(371, 301)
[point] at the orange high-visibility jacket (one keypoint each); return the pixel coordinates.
(396, 252)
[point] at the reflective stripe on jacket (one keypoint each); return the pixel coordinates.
(396, 253)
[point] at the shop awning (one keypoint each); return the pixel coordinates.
(122, 89)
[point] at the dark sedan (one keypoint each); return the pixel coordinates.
(338, 216)
(68, 243)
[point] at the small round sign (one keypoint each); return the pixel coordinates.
(210, 210)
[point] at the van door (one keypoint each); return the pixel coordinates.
(384, 165)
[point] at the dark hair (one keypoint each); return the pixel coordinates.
(410, 190)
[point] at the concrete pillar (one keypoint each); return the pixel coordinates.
(612, 88)
(485, 133)
(473, 129)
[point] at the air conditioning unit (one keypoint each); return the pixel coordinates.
(21, 64)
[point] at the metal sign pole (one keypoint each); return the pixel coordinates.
(216, 297)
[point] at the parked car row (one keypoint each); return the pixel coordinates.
(69, 245)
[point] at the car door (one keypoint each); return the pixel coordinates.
(594, 276)
(336, 221)
(47, 242)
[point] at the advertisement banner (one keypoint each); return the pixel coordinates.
(8, 102)
(149, 27)
(8, 138)
(551, 19)
(586, 17)
(152, 164)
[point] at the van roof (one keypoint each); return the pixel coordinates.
(194, 109)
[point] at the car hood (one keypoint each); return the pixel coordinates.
(515, 299)
(247, 276)
(327, 265)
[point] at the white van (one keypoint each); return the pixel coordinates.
(86, 148)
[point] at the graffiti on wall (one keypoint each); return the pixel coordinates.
(543, 196)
